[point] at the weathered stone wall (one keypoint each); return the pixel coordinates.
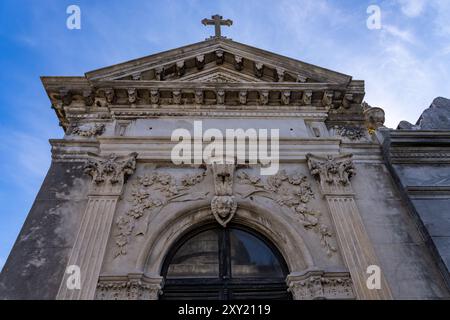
(36, 264)
(405, 257)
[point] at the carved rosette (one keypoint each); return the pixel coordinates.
(333, 172)
(315, 285)
(224, 204)
(109, 173)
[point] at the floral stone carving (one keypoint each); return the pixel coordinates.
(149, 194)
(88, 130)
(352, 133)
(111, 170)
(293, 192)
(332, 170)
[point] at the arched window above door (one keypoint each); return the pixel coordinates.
(224, 263)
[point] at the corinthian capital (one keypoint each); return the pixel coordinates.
(109, 173)
(333, 173)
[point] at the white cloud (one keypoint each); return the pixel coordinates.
(404, 35)
(442, 19)
(412, 8)
(30, 160)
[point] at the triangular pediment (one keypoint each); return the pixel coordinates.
(218, 60)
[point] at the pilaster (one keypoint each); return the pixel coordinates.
(108, 178)
(333, 175)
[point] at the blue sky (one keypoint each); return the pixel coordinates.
(405, 64)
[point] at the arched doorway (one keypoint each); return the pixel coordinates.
(224, 263)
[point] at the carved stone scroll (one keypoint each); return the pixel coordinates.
(307, 97)
(181, 68)
(258, 69)
(286, 97)
(238, 63)
(132, 95)
(264, 97)
(108, 177)
(176, 97)
(243, 97)
(200, 61)
(334, 175)
(220, 96)
(220, 57)
(154, 96)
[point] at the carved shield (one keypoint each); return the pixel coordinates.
(223, 209)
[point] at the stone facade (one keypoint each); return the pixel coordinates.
(418, 157)
(114, 204)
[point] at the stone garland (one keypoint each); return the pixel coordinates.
(293, 192)
(149, 194)
(352, 133)
(88, 130)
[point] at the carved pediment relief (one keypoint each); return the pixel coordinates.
(259, 64)
(219, 75)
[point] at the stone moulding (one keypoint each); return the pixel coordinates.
(418, 146)
(315, 285)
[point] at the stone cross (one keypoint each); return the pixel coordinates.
(217, 21)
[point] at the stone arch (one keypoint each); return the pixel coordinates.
(169, 226)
